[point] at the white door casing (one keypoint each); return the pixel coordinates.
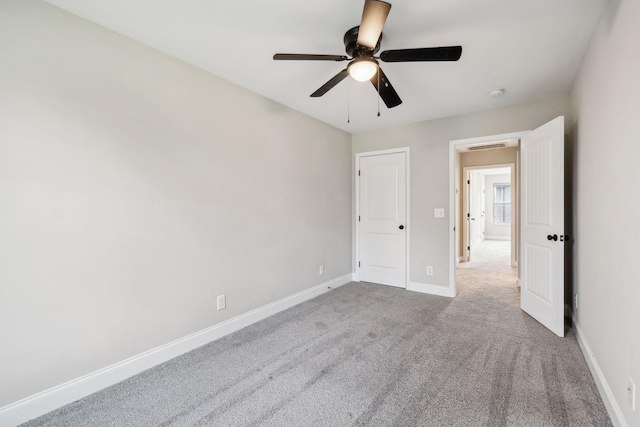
(382, 215)
(482, 207)
(542, 217)
(467, 214)
(476, 208)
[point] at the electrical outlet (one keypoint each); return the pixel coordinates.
(429, 270)
(631, 394)
(321, 270)
(222, 301)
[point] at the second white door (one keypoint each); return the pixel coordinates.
(382, 219)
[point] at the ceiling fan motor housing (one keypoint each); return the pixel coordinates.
(353, 49)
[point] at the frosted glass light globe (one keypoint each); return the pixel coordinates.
(362, 69)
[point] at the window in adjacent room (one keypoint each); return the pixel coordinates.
(502, 203)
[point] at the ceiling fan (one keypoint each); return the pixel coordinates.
(362, 43)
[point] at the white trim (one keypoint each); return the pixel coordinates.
(354, 277)
(459, 260)
(453, 242)
(617, 418)
(426, 288)
(453, 144)
(501, 238)
(56, 397)
(407, 170)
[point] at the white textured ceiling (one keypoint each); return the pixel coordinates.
(530, 48)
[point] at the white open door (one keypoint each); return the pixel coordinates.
(476, 209)
(382, 219)
(542, 225)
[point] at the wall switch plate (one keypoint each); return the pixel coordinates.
(222, 301)
(438, 213)
(321, 270)
(631, 394)
(429, 270)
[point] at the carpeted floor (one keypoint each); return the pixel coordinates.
(372, 355)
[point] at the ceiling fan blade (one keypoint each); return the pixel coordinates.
(330, 84)
(304, 57)
(387, 92)
(449, 53)
(374, 16)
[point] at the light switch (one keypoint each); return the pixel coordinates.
(438, 213)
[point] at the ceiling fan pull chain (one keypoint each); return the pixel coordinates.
(348, 104)
(378, 92)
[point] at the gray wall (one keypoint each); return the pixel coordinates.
(605, 145)
(429, 143)
(134, 189)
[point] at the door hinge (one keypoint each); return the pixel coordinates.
(358, 218)
(468, 181)
(468, 215)
(468, 248)
(358, 263)
(358, 172)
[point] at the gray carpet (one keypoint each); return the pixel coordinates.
(372, 355)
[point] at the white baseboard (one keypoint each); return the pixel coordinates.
(504, 238)
(354, 277)
(603, 387)
(55, 397)
(459, 260)
(427, 288)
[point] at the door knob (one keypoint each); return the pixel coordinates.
(554, 237)
(401, 227)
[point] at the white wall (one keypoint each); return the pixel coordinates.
(494, 230)
(606, 103)
(429, 142)
(134, 189)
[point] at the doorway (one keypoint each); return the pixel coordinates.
(488, 206)
(539, 217)
(488, 267)
(488, 151)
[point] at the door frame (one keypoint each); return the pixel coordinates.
(407, 178)
(453, 233)
(464, 202)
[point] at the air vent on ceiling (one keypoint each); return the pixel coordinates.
(485, 147)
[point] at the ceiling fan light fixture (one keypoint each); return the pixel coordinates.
(363, 69)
